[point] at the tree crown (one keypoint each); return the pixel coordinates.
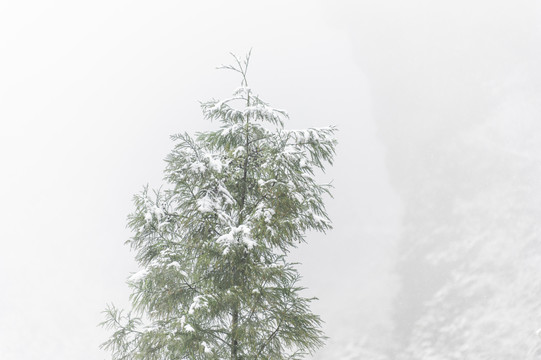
(215, 282)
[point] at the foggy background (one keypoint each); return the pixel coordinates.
(435, 249)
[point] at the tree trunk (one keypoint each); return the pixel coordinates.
(234, 340)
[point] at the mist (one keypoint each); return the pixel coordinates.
(455, 92)
(434, 252)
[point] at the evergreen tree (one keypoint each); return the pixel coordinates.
(215, 282)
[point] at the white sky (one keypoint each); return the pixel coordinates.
(89, 94)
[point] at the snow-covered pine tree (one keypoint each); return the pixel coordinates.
(215, 282)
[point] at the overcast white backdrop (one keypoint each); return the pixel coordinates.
(91, 91)
(89, 94)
